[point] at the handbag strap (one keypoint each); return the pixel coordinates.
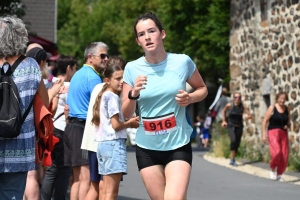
(61, 114)
(9, 72)
(12, 68)
(27, 111)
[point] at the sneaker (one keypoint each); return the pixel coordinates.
(280, 179)
(273, 175)
(233, 163)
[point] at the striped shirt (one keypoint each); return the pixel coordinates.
(18, 154)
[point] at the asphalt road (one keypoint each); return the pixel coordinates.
(213, 182)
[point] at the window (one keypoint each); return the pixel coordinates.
(267, 100)
(264, 9)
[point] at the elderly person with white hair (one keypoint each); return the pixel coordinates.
(17, 155)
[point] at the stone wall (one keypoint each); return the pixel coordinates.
(265, 59)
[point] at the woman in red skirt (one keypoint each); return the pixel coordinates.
(278, 120)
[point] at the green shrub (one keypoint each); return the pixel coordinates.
(266, 156)
(294, 161)
(221, 146)
(220, 141)
(248, 150)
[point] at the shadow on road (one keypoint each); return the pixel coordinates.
(131, 149)
(127, 198)
(200, 149)
(250, 162)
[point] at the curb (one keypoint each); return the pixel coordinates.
(249, 169)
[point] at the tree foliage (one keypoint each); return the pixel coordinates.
(12, 7)
(198, 28)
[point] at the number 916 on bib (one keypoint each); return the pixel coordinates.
(159, 125)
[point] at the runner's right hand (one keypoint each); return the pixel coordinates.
(139, 85)
(224, 124)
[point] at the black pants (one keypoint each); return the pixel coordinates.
(57, 175)
(235, 134)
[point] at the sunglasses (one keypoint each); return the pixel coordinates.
(237, 97)
(103, 56)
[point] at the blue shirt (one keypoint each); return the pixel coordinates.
(80, 90)
(163, 82)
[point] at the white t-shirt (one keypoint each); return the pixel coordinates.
(110, 105)
(60, 123)
(207, 122)
(89, 136)
(198, 124)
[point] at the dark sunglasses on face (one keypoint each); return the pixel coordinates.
(237, 97)
(103, 56)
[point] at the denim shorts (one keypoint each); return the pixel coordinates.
(112, 157)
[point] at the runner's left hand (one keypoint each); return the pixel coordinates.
(183, 98)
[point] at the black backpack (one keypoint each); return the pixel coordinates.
(11, 119)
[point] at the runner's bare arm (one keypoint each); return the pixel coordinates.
(196, 82)
(42, 92)
(128, 105)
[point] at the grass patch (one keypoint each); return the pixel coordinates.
(294, 161)
(220, 141)
(220, 147)
(248, 150)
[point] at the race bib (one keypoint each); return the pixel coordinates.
(159, 125)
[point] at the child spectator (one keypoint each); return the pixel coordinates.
(206, 129)
(110, 130)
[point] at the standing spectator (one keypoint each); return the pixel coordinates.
(224, 99)
(163, 152)
(41, 56)
(35, 177)
(81, 87)
(278, 119)
(110, 129)
(57, 175)
(206, 129)
(89, 142)
(52, 68)
(44, 68)
(27, 77)
(234, 123)
(198, 126)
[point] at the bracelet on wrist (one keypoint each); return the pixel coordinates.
(131, 97)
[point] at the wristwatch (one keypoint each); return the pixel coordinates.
(131, 97)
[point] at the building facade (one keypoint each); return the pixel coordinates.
(265, 59)
(40, 18)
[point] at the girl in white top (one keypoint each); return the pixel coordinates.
(110, 130)
(56, 179)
